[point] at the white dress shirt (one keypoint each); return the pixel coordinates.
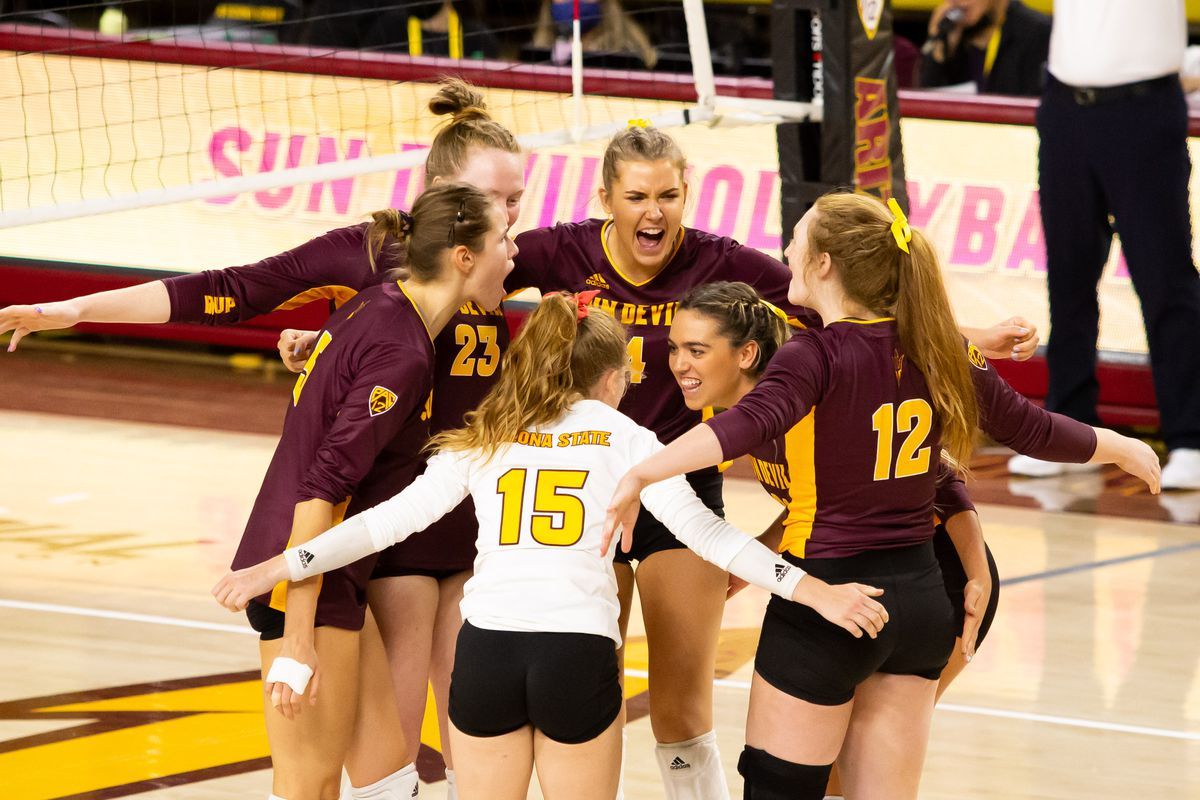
(1111, 42)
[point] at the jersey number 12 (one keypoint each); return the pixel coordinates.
(913, 417)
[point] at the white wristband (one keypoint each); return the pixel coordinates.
(756, 564)
(291, 672)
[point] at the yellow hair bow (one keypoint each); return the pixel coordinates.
(639, 122)
(900, 227)
(776, 310)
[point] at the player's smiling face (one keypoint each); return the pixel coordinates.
(498, 174)
(485, 284)
(707, 366)
(646, 202)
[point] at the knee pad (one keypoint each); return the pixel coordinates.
(770, 778)
(692, 770)
(403, 784)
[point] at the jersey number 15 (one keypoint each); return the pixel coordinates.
(550, 506)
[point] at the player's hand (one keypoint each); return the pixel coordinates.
(238, 588)
(24, 320)
(736, 584)
(847, 605)
(623, 512)
(1015, 338)
(976, 595)
(1139, 459)
(295, 347)
(283, 697)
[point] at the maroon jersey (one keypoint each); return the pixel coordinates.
(334, 267)
(574, 257)
(355, 427)
(843, 432)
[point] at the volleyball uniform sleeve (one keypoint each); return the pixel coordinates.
(950, 497)
(435, 493)
(675, 504)
(333, 266)
(792, 384)
(771, 278)
(363, 426)
(1012, 420)
(537, 252)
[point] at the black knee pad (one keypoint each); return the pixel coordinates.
(769, 778)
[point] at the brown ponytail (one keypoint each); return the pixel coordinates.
(470, 125)
(551, 363)
(444, 216)
(855, 230)
(743, 316)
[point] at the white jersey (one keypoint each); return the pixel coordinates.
(541, 503)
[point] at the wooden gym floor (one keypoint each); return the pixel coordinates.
(125, 485)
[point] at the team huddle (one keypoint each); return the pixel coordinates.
(450, 508)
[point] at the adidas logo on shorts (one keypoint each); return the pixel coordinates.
(679, 763)
(307, 557)
(597, 280)
(781, 570)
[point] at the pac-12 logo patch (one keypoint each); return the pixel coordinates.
(870, 12)
(975, 356)
(381, 401)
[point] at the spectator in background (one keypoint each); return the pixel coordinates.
(432, 29)
(1000, 46)
(1113, 128)
(605, 27)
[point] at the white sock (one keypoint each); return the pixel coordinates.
(692, 770)
(274, 797)
(400, 785)
(621, 772)
(451, 786)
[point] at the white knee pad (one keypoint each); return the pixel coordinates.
(692, 770)
(402, 784)
(274, 797)
(451, 786)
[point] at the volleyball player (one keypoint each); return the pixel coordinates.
(863, 406)
(722, 339)
(418, 585)
(355, 430)
(536, 678)
(642, 261)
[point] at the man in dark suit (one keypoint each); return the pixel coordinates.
(999, 45)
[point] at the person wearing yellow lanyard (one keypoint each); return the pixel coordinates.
(999, 46)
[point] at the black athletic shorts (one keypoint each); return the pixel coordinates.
(266, 620)
(650, 536)
(955, 580)
(800, 653)
(563, 684)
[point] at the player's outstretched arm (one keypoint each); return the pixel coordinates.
(145, 303)
(1132, 455)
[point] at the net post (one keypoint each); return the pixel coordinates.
(701, 54)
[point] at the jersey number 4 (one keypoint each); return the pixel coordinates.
(557, 520)
(913, 417)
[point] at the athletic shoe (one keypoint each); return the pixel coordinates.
(1182, 470)
(1029, 467)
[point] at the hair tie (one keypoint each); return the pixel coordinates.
(406, 223)
(582, 302)
(639, 122)
(900, 227)
(774, 309)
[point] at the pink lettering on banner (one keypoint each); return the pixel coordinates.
(764, 200)
(553, 185)
(224, 166)
(732, 179)
(1028, 253)
(921, 211)
(404, 177)
(975, 239)
(278, 198)
(341, 188)
(586, 189)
